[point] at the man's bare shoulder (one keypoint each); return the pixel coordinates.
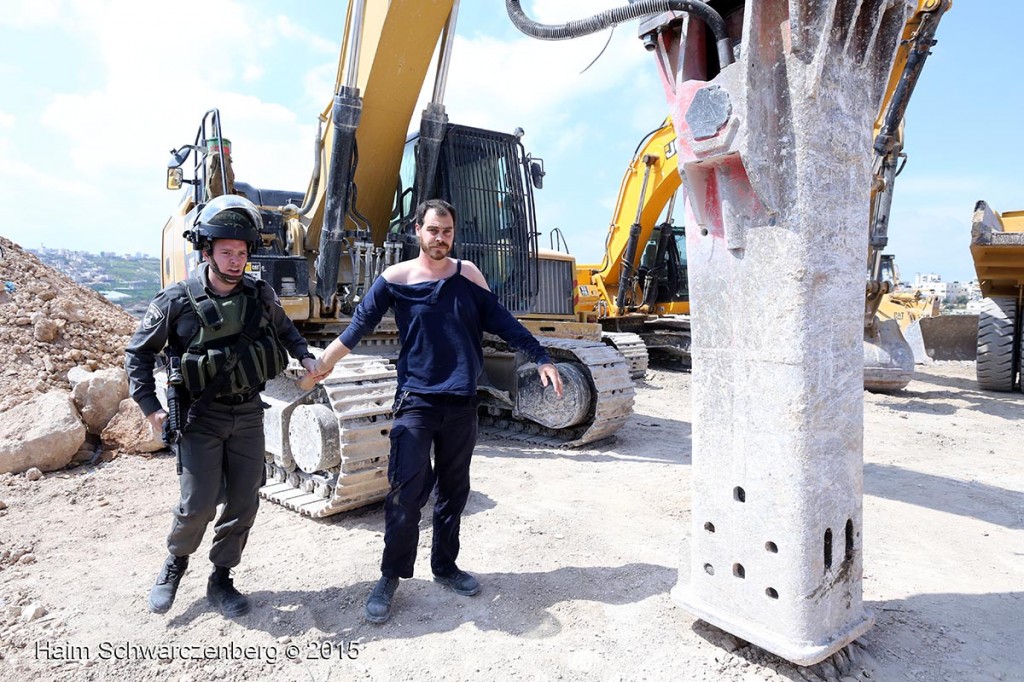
(397, 273)
(471, 272)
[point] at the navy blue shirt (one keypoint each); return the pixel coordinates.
(440, 326)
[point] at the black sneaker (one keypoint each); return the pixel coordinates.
(221, 593)
(378, 605)
(161, 596)
(461, 582)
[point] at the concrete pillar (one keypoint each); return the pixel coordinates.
(775, 152)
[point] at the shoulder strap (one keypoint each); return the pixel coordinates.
(207, 311)
(253, 314)
(458, 266)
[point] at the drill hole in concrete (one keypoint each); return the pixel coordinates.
(737, 570)
(772, 593)
(849, 540)
(709, 527)
(771, 547)
(709, 569)
(828, 548)
(739, 494)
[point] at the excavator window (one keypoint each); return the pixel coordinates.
(403, 209)
(485, 176)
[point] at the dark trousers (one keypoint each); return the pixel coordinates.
(449, 423)
(222, 460)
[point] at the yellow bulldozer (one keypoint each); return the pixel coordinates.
(322, 248)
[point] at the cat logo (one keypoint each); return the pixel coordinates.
(154, 316)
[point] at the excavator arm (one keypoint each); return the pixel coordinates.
(914, 48)
(648, 186)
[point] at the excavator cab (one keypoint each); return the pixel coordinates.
(663, 267)
(487, 176)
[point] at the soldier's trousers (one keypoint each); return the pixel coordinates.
(222, 460)
(449, 424)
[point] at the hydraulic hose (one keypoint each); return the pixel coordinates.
(618, 15)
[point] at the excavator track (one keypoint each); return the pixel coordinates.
(358, 394)
(668, 339)
(632, 348)
(607, 372)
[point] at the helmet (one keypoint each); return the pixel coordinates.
(227, 217)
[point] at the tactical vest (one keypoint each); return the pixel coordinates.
(222, 320)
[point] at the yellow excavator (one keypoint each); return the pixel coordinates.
(639, 290)
(905, 307)
(322, 248)
(888, 358)
(997, 247)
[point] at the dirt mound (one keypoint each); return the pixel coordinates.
(49, 324)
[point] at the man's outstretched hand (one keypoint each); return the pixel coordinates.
(315, 371)
(549, 374)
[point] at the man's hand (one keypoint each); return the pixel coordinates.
(549, 373)
(156, 420)
(316, 370)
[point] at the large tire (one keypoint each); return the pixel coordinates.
(997, 325)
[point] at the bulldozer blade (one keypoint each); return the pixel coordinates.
(943, 337)
(888, 358)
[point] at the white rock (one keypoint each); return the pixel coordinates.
(98, 395)
(27, 441)
(33, 474)
(130, 432)
(32, 612)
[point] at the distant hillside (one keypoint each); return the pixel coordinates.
(129, 281)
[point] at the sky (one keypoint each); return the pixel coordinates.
(96, 93)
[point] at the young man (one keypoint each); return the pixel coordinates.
(442, 307)
(221, 452)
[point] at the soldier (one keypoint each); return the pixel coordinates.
(228, 334)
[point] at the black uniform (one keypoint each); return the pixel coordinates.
(222, 451)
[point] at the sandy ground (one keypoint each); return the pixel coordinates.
(577, 552)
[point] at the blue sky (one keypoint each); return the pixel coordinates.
(98, 91)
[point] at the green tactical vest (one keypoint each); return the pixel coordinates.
(221, 322)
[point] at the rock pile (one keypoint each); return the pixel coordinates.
(49, 324)
(61, 368)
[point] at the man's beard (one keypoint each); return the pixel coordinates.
(439, 252)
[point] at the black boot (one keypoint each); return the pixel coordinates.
(221, 593)
(161, 596)
(460, 581)
(378, 606)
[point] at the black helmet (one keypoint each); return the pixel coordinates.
(227, 217)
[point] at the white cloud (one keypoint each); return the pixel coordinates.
(21, 14)
(295, 33)
(35, 181)
(7, 120)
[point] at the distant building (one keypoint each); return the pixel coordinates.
(930, 283)
(957, 290)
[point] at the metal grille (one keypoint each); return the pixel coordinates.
(483, 176)
(555, 296)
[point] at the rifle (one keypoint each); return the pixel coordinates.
(174, 425)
